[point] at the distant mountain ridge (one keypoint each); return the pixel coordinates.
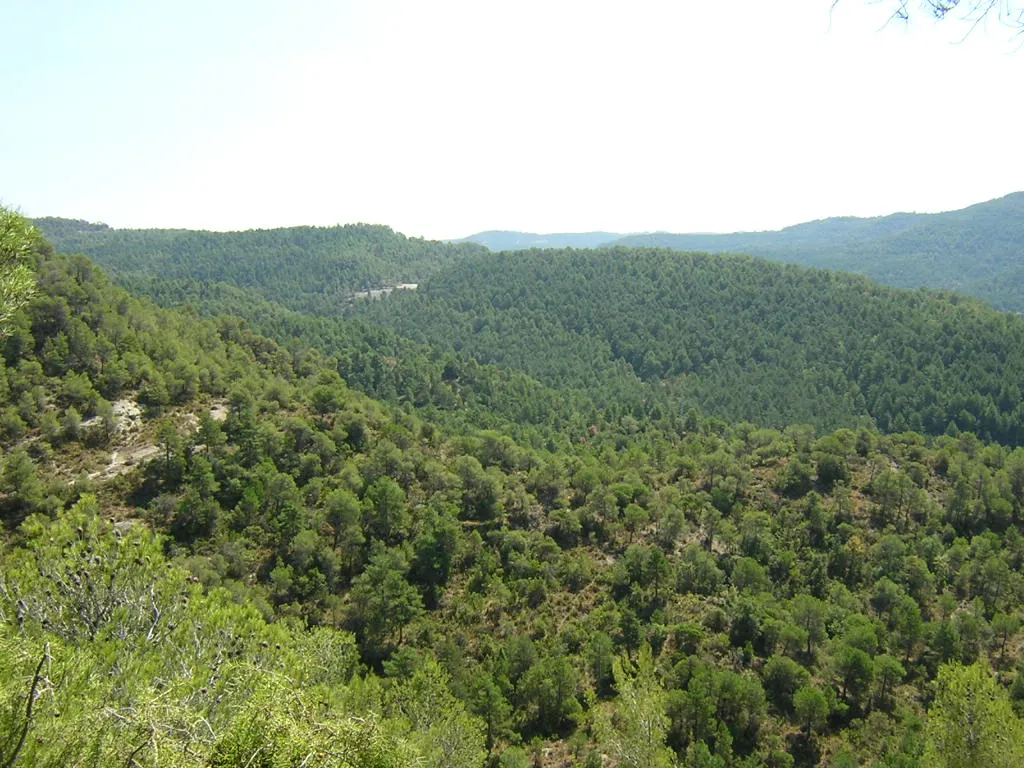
(977, 251)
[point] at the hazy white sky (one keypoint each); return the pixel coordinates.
(441, 118)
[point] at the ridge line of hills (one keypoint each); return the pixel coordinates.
(849, 225)
(977, 251)
(633, 332)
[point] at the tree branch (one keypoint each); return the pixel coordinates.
(9, 761)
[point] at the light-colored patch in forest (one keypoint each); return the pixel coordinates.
(219, 411)
(130, 454)
(124, 460)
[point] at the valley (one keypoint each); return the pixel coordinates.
(551, 508)
(705, 450)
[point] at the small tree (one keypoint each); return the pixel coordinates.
(547, 691)
(811, 708)
(18, 240)
(635, 733)
(809, 614)
(384, 602)
(888, 673)
(971, 723)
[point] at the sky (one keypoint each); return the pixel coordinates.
(442, 118)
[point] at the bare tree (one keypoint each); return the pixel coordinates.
(1008, 13)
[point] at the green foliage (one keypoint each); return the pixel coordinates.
(770, 343)
(782, 678)
(635, 736)
(547, 694)
(22, 488)
(493, 583)
(972, 251)
(971, 722)
(138, 663)
(810, 707)
(278, 728)
(383, 601)
(312, 268)
(447, 735)
(809, 615)
(19, 242)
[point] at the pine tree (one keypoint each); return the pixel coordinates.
(972, 723)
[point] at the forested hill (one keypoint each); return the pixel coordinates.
(312, 269)
(975, 251)
(497, 240)
(738, 337)
(978, 251)
(632, 332)
(214, 553)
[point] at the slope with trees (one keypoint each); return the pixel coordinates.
(322, 578)
(975, 251)
(739, 338)
(636, 334)
(313, 269)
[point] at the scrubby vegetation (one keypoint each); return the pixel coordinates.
(300, 574)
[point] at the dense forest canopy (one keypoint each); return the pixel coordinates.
(625, 332)
(740, 338)
(975, 251)
(310, 268)
(286, 571)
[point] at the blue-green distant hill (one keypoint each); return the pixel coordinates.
(978, 251)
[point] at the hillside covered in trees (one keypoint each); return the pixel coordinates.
(975, 251)
(287, 571)
(621, 331)
(314, 269)
(739, 338)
